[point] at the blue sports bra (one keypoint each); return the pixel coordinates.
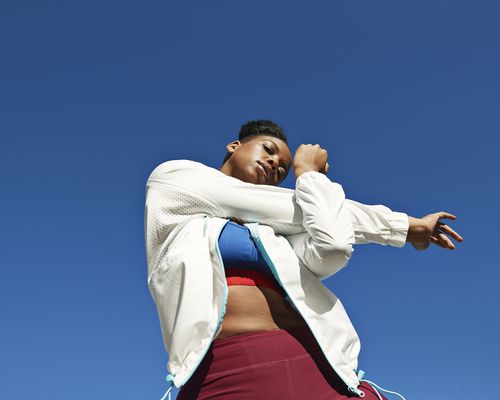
(238, 250)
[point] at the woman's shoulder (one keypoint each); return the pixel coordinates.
(182, 171)
(178, 166)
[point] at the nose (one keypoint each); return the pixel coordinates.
(273, 161)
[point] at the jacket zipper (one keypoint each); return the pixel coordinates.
(255, 235)
(223, 309)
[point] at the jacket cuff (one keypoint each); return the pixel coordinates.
(312, 175)
(400, 224)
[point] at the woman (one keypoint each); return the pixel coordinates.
(235, 263)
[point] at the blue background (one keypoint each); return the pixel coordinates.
(94, 95)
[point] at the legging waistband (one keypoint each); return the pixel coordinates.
(246, 349)
(278, 364)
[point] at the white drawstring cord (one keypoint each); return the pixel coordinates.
(168, 393)
(375, 387)
(361, 374)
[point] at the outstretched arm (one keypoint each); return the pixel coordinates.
(213, 193)
(228, 197)
(179, 190)
(378, 223)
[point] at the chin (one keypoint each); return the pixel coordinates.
(254, 180)
(247, 177)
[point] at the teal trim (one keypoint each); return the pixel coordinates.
(223, 309)
(168, 393)
(361, 374)
(255, 234)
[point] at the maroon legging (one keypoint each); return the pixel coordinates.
(274, 365)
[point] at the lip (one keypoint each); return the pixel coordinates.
(264, 171)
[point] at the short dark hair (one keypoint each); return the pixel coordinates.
(259, 127)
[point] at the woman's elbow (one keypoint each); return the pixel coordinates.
(339, 255)
(337, 251)
(333, 260)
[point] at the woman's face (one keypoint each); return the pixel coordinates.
(262, 160)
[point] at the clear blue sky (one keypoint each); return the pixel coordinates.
(93, 95)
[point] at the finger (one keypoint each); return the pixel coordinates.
(449, 231)
(448, 244)
(444, 214)
(437, 242)
(442, 243)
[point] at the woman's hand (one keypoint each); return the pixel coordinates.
(310, 157)
(429, 229)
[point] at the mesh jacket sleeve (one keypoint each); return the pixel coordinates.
(271, 205)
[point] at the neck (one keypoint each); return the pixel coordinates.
(226, 169)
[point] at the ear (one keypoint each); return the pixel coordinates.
(231, 147)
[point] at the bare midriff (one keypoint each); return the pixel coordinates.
(256, 308)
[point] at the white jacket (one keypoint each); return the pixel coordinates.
(306, 234)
